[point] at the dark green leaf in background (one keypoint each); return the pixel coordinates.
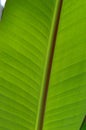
(83, 126)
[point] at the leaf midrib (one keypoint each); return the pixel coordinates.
(48, 65)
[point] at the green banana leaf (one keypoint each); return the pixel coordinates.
(26, 32)
(66, 102)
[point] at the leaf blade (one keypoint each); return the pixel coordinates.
(24, 35)
(66, 103)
